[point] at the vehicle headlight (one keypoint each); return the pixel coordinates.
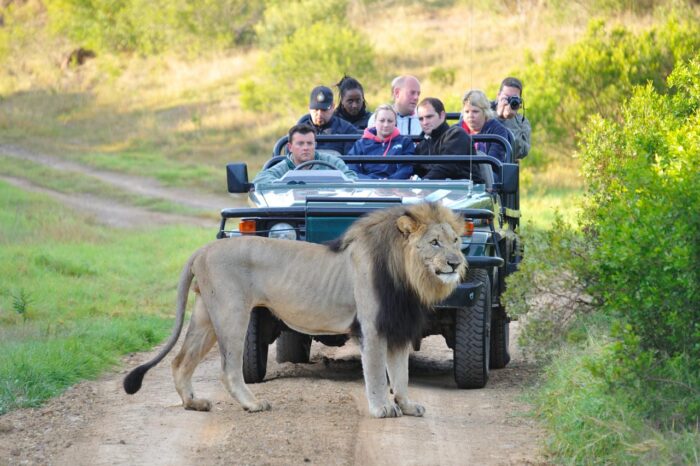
(282, 231)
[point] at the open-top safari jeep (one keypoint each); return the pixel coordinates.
(318, 205)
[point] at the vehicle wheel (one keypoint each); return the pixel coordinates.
(472, 337)
(500, 336)
(293, 347)
(256, 347)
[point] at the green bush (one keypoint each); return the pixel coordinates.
(643, 182)
(318, 54)
(632, 394)
(283, 18)
(549, 290)
(153, 26)
(597, 74)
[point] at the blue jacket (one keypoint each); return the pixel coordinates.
(370, 144)
(336, 126)
(493, 149)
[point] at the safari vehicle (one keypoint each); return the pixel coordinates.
(318, 206)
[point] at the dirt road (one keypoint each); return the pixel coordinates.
(319, 416)
(319, 411)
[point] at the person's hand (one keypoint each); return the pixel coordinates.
(504, 110)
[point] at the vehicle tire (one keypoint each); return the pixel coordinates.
(256, 347)
(500, 337)
(293, 347)
(472, 337)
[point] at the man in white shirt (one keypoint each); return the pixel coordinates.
(406, 92)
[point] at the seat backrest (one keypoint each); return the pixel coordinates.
(486, 172)
(328, 152)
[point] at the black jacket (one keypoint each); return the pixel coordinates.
(446, 140)
(336, 126)
(359, 121)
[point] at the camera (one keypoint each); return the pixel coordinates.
(515, 102)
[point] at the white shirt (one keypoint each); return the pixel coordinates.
(408, 125)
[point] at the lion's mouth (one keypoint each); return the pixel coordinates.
(448, 277)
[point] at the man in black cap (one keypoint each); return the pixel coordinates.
(321, 117)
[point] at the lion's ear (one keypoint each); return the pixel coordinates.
(406, 225)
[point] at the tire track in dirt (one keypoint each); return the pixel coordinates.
(319, 416)
(135, 184)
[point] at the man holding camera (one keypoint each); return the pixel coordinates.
(507, 104)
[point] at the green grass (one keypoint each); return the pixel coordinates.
(539, 209)
(589, 423)
(75, 296)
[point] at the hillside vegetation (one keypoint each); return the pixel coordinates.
(609, 297)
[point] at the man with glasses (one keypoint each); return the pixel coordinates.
(438, 138)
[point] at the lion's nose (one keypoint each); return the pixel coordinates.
(454, 264)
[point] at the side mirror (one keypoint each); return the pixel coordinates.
(237, 178)
(510, 175)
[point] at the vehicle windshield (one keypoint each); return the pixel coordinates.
(453, 194)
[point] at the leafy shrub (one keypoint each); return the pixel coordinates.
(597, 74)
(549, 291)
(318, 54)
(283, 18)
(643, 181)
(637, 255)
(152, 26)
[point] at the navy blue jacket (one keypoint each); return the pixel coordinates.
(370, 145)
(336, 126)
(493, 149)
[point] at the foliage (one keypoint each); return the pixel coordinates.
(314, 55)
(549, 290)
(597, 74)
(153, 26)
(283, 18)
(630, 397)
(643, 181)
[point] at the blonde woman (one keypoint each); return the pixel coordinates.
(478, 118)
(383, 139)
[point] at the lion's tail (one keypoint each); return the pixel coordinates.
(133, 380)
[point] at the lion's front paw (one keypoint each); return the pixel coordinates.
(262, 405)
(410, 408)
(389, 410)
(198, 404)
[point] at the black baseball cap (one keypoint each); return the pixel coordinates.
(321, 98)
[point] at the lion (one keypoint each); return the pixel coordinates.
(377, 282)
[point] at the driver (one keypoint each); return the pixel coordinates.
(302, 148)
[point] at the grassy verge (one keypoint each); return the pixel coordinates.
(589, 423)
(74, 296)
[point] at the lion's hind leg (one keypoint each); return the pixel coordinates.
(397, 366)
(198, 341)
(233, 325)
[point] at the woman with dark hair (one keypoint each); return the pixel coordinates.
(352, 107)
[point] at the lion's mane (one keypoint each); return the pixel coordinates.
(404, 287)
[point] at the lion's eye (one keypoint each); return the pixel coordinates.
(435, 242)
